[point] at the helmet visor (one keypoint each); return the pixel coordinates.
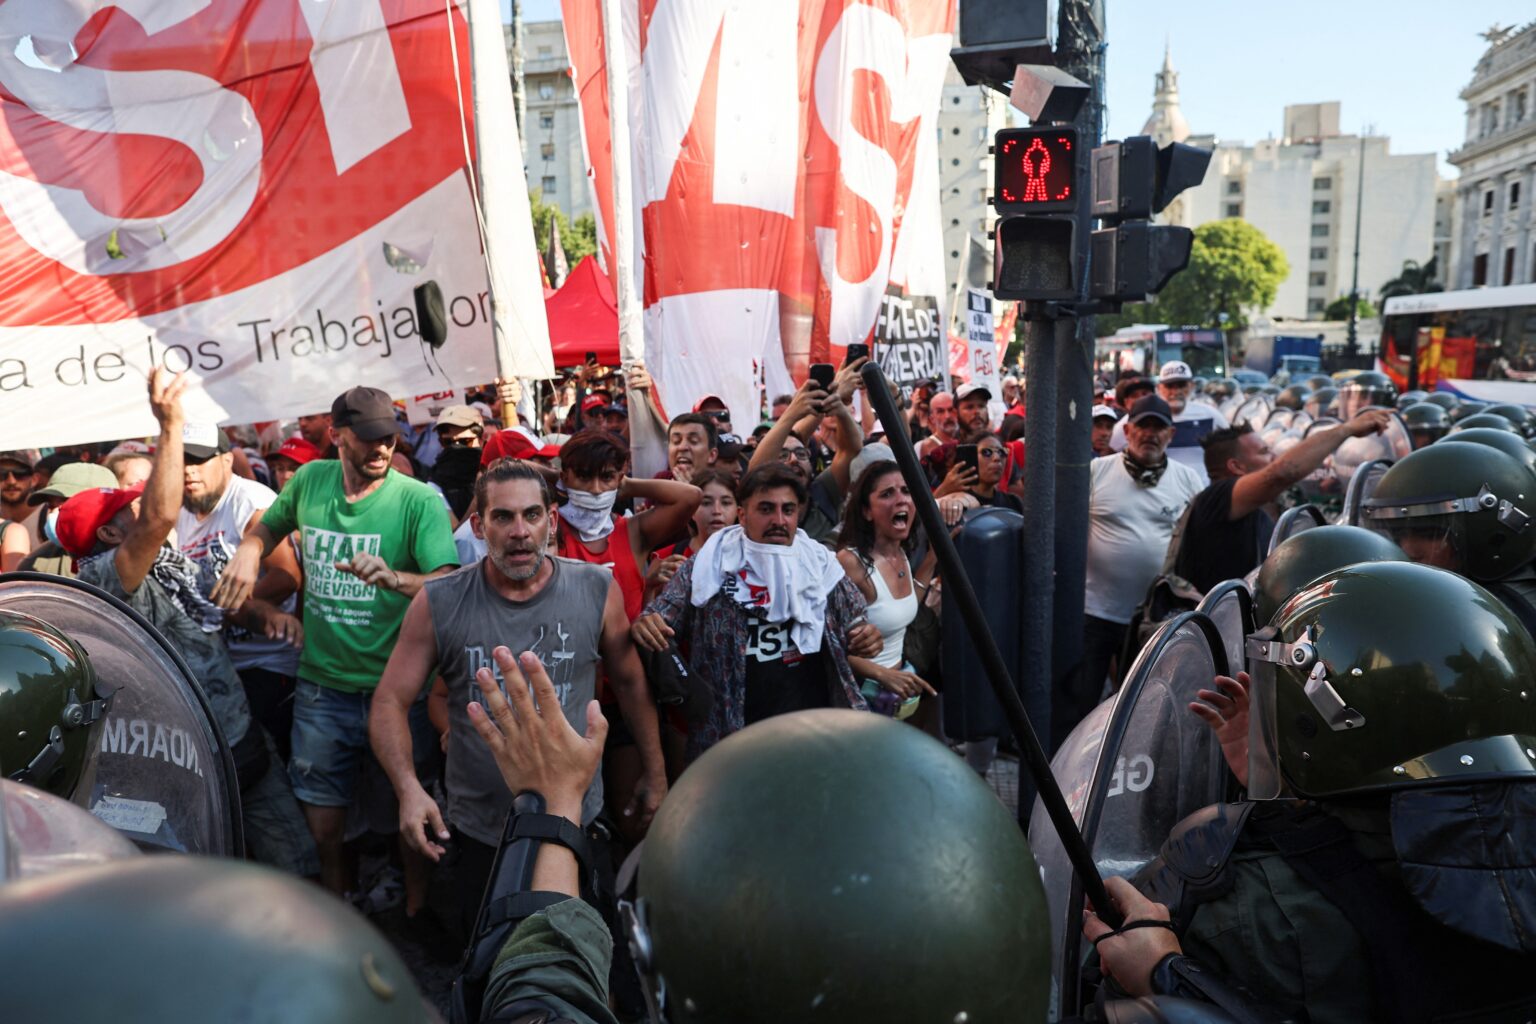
(1265, 781)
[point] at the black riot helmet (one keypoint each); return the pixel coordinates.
(1364, 390)
(49, 712)
(1426, 423)
(1519, 415)
(902, 890)
(1484, 421)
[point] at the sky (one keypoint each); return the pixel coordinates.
(1395, 65)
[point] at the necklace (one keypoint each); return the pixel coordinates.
(901, 569)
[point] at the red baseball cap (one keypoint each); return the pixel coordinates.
(514, 444)
(699, 405)
(81, 516)
(593, 402)
(298, 449)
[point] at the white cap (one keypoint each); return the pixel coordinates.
(1104, 410)
(1174, 370)
(967, 390)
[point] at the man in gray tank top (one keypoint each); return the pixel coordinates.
(569, 614)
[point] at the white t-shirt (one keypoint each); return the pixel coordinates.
(211, 543)
(471, 548)
(1189, 428)
(1129, 527)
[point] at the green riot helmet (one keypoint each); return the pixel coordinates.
(1466, 507)
(1426, 423)
(1198, 384)
(1389, 675)
(1318, 380)
(49, 712)
(837, 865)
(180, 938)
(1364, 390)
(1444, 399)
(1293, 397)
(1465, 409)
(1519, 415)
(1513, 445)
(1320, 401)
(1484, 421)
(1408, 398)
(1305, 556)
(1220, 389)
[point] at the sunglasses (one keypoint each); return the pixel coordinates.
(15, 474)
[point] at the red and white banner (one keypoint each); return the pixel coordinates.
(245, 189)
(786, 179)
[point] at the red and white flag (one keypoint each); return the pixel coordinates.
(245, 189)
(786, 179)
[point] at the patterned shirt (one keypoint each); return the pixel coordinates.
(715, 638)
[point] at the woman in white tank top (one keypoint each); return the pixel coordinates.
(877, 533)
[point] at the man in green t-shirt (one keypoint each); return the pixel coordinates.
(369, 538)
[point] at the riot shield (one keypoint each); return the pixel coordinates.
(1229, 606)
(1280, 417)
(1153, 764)
(1361, 486)
(1253, 410)
(41, 833)
(1293, 521)
(1390, 445)
(163, 775)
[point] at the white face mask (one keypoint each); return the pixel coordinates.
(589, 514)
(51, 524)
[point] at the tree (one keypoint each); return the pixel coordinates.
(578, 238)
(1413, 279)
(1338, 309)
(1234, 269)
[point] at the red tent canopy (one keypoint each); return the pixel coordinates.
(584, 317)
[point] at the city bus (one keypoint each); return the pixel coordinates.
(1144, 348)
(1475, 335)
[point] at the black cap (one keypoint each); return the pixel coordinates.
(1135, 382)
(368, 411)
(1150, 405)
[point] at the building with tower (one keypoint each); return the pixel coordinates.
(1495, 231)
(1303, 190)
(552, 144)
(968, 118)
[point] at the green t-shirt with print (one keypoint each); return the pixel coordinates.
(350, 627)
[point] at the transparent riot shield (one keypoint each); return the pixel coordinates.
(1361, 486)
(1279, 417)
(1293, 521)
(163, 776)
(1390, 445)
(1229, 606)
(1253, 410)
(41, 833)
(1152, 764)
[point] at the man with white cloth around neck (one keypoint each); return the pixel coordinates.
(765, 615)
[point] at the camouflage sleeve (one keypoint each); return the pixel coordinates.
(558, 960)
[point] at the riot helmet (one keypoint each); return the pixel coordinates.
(1426, 423)
(1318, 380)
(1389, 675)
(1408, 398)
(1269, 389)
(1465, 507)
(1444, 399)
(1308, 554)
(1198, 384)
(903, 891)
(1320, 401)
(1519, 415)
(1293, 397)
(1219, 389)
(1250, 388)
(1364, 390)
(195, 938)
(1484, 421)
(41, 833)
(1513, 445)
(49, 712)
(1464, 409)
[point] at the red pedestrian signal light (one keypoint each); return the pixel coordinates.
(1035, 170)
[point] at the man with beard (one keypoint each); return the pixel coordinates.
(821, 513)
(971, 411)
(569, 613)
(764, 614)
(218, 509)
(370, 538)
(1134, 499)
(17, 479)
(943, 421)
(119, 537)
(1192, 420)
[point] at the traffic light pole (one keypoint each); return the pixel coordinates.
(1040, 516)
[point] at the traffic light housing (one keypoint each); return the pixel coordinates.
(1035, 192)
(1132, 180)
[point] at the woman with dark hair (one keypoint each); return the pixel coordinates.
(876, 537)
(716, 511)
